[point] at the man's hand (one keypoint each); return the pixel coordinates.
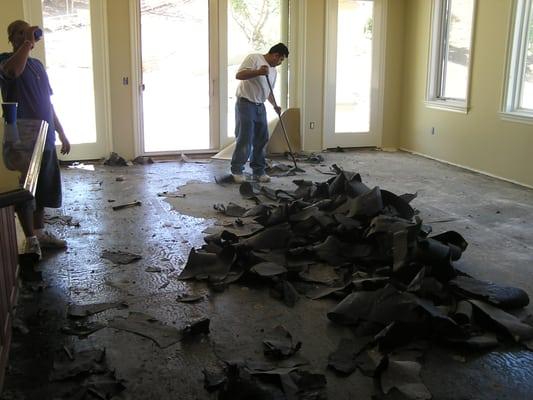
(277, 109)
(29, 35)
(263, 70)
(65, 144)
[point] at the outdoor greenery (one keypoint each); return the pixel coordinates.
(251, 17)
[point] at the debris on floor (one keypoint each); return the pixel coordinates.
(151, 328)
(184, 159)
(82, 328)
(84, 375)
(82, 166)
(279, 343)
(84, 310)
(396, 282)
(142, 160)
(127, 205)
(171, 194)
(66, 220)
(120, 257)
(115, 160)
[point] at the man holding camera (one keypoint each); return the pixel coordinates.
(25, 81)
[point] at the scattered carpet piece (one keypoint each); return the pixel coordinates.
(147, 326)
(120, 257)
(279, 343)
(84, 310)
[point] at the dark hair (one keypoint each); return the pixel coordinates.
(14, 26)
(279, 48)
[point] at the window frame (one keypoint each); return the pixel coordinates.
(438, 52)
(521, 14)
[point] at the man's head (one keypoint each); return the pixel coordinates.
(16, 32)
(277, 54)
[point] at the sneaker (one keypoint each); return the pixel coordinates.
(238, 178)
(32, 246)
(262, 178)
(50, 241)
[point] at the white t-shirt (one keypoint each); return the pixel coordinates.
(256, 89)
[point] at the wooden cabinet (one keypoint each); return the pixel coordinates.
(8, 282)
(20, 163)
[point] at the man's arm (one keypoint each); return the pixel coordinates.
(248, 73)
(272, 101)
(65, 144)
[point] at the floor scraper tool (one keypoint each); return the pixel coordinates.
(295, 168)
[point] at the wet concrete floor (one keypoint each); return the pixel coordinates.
(495, 217)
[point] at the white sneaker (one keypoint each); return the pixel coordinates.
(262, 178)
(32, 246)
(50, 241)
(239, 178)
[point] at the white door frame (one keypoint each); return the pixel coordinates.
(374, 136)
(33, 13)
(215, 75)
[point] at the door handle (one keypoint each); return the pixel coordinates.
(142, 87)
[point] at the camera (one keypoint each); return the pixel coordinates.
(37, 34)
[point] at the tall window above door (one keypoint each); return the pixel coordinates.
(518, 97)
(450, 54)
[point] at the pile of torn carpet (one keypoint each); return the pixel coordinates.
(397, 284)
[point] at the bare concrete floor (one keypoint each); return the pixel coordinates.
(495, 217)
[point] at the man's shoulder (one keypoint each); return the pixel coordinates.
(253, 60)
(256, 56)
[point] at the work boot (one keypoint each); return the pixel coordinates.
(50, 241)
(31, 246)
(239, 178)
(262, 178)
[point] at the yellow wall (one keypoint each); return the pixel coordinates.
(9, 11)
(313, 66)
(479, 140)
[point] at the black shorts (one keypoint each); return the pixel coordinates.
(48, 191)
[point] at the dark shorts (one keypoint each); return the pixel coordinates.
(48, 191)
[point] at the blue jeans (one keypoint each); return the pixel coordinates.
(251, 137)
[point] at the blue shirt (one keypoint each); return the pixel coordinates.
(32, 91)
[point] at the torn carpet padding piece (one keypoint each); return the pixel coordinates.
(344, 358)
(69, 366)
(405, 377)
(501, 296)
(147, 326)
(279, 343)
(120, 257)
(84, 310)
(394, 279)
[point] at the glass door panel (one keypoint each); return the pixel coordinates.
(354, 66)
(175, 75)
(254, 26)
(69, 63)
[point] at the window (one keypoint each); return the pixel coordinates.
(450, 55)
(518, 99)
